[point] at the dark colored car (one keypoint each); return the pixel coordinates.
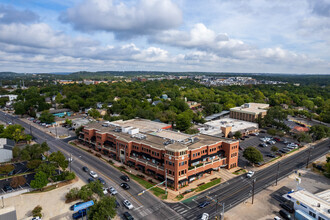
(8, 188)
(72, 207)
(101, 180)
(125, 178)
(91, 180)
(125, 186)
(85, 169)
(128, 216)
(287, 207)
(270, 155)
(117, 203)
(246, 136)
(79, 214)
(203, 204)
(282, 151)
(277, 139)
(262, 131)
(285, 214)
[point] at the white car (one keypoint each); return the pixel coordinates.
(93, 174)
(205, 216)
(250, 174)
(112, 190)
(105, 191)
(127, 204)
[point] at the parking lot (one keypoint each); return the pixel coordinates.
(255, 141)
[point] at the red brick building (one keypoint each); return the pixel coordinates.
(151, 148)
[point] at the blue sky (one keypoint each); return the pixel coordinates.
(261, 36)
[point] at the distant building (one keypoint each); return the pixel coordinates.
(249, 111)
(310, 206)
(164, 96)
(8, 213)
(6, 150)
(157, 102)
(300, 129)
(10, 97)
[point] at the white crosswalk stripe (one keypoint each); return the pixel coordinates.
(183, 212)
(180, 209)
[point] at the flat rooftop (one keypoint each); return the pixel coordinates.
(254, 108)
(312, 200)
(214, 127)
(143, 125)
(161, 139)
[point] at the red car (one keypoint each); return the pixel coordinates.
(277, 139)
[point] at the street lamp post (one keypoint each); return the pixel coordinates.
(253, 183)
(278, 169)
(309, 154)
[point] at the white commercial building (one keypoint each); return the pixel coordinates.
(310, 206)
(10, 97)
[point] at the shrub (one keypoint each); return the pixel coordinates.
(98, 155)
(89, 151)
(72, 194)
(17, 181)
(150, 180)
(70, 175)
(33, 164)
(37, 211)
(111, 162)
(141, 176)
(122, 167)
(5, 169)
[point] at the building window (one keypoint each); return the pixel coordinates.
(320, 218)
(312, 214)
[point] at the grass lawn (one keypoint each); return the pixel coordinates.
(179, 197)
(208, 185)
(239, 172)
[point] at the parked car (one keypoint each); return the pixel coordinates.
(203, 204)
(125, 186)
(277, 139)
(285, 214)
(79, 214)
(8, 188)
(73, 206)
(90, 180)
(101, 180)
(43, 124)
(287, 207)
(250, 174)
(263, 145)
(270, 155)
(271, 142)
(85, 169)
(112, 190)
(127, 204)
(105, 191)
(125, 178)
(277, 218)
(93, 174)
(205, 216)
(246, 136)
(128, 216)
(283, 151)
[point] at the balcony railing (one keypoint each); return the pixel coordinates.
(147, 163)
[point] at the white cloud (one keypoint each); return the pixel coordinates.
(144, 17)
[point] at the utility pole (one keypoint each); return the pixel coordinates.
(278, 169)
(55, 131)
(30, 130)
(70, 161)
(253, 183)
(223, 212)
(309, 154)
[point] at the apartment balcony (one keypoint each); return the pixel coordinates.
(147, 163)
(211, 165)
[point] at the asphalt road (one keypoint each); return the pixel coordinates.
(147, 206)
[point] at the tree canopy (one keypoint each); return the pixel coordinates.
(253, 155)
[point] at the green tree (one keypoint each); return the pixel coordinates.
(78, 130)
(16, 152)
(303, 137)
(253, 155)
(103, 209)
(274, 149)
(59, 159)
(7, 168)
(68, 122)
(40, 180)
(85, 193)
(237, 134)
(319, 131)
(3, 101)
(33, 164)
(183, 121)
(58, 98)
(19, 108)
(94, 113)
(47, 117)
(47, 168)
(15, 132)
(272, 131)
